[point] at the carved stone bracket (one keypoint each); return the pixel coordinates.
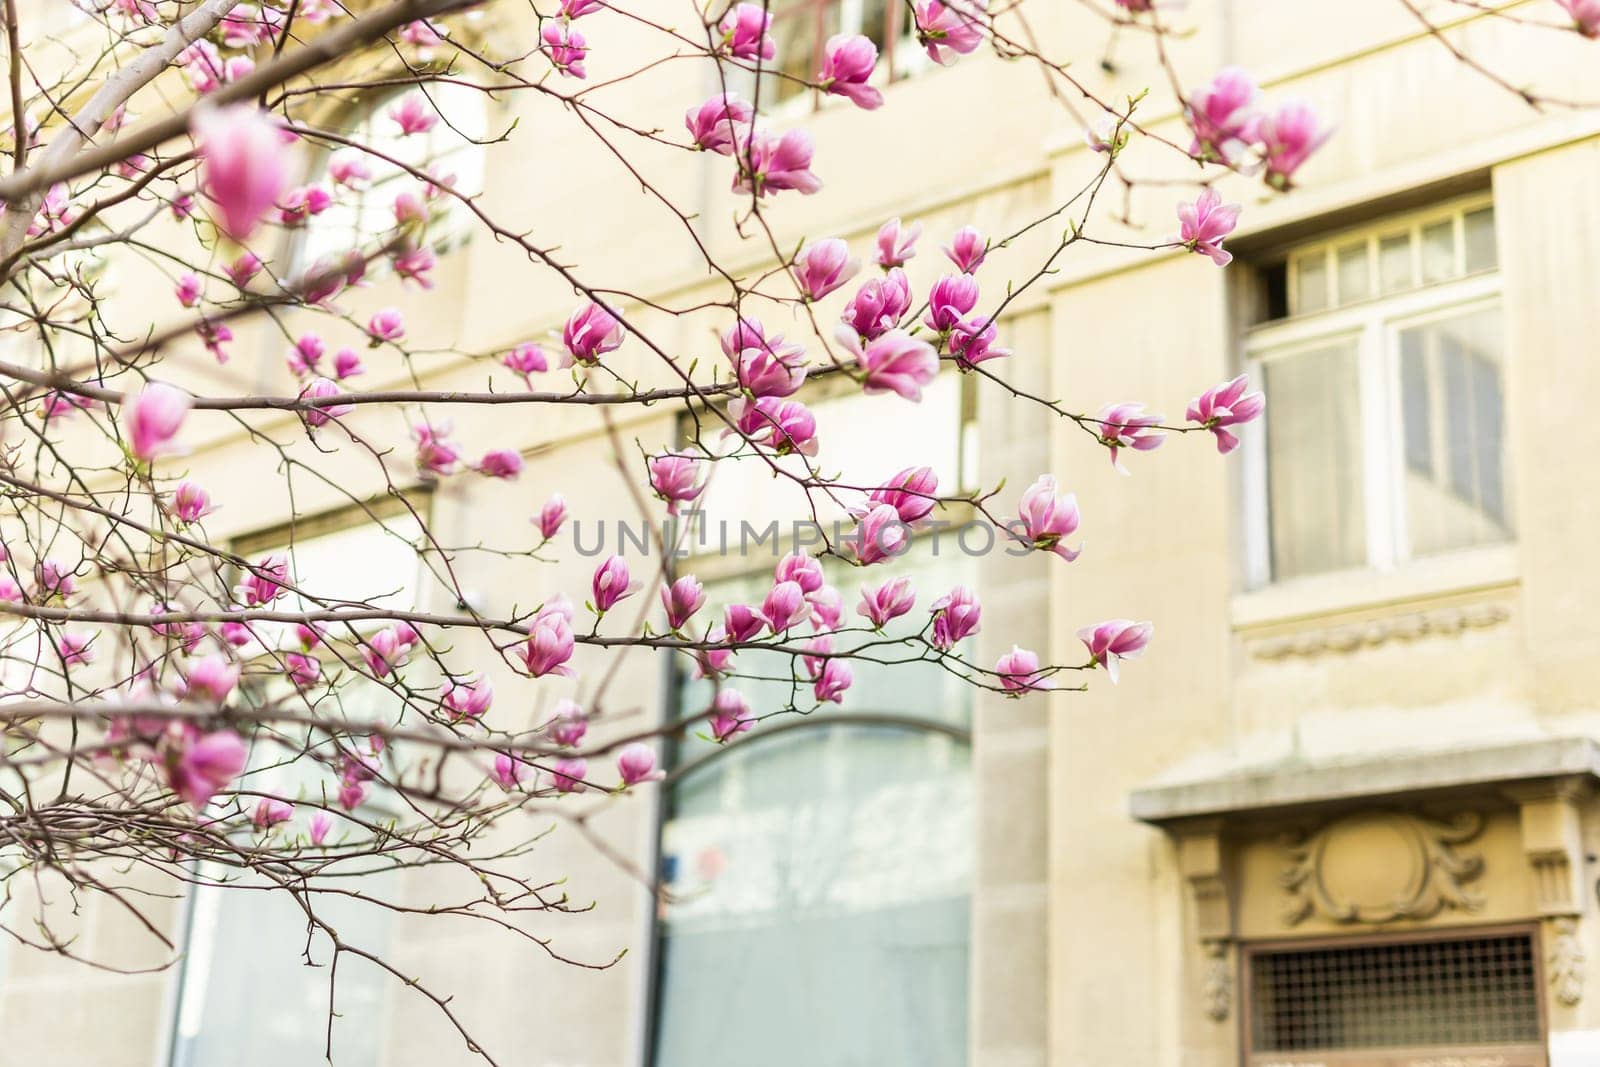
(1378, 866)
(1352, 636)
(1552, 839)
(1201, 860)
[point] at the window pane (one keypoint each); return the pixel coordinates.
(1355, 282)
(1314, 461)
(1311, 290)
(1394, 262)
(1455, 447)
(1482, 253)
(1439, 251)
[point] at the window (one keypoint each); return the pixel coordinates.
(1435, 998)
(453, 147)
(819, 869)
(255, 985)
(1384, 437)
(801, 29)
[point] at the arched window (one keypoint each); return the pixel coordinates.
(819, 870)
(363, 212)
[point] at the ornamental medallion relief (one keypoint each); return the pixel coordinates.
(1378, 866)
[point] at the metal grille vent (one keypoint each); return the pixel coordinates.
(1463, 992)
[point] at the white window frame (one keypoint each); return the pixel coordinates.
(1374, 323)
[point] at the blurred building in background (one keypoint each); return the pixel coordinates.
(1342, 813)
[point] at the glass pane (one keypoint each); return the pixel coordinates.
(1355, 281)
(1439, 251)
(1482, 253)
(1314, 482)
(1394, 262)
(798, 32)
(1454, 429)
(1311, 288)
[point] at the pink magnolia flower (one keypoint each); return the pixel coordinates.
(303, 202)
(761, 372)
(347, 363)
(236, 634)
(1019, 672)
(509, 772)
(744, 33)
(741, 622)
(386, 651)
(244, 167)
(719, 123)
(190, 502)
(75, 648)
(52, 579)
(152, 418)
(243, 269)
(436, 454)
(897, 244)
(321, 824)
(888, 601)
(302, 670)
(58, 405)
(409, 209)
(567, 774)
(784, 606)
(1226, 405)
(423, 34)
(1125, 426)
(349, 168)
(955, 616)
(816, 656)
(500, 463)
(1205, 223)
(827, 608)
(572, 9)
(967, 249)
(568, 724)
(712, 662)
(949, 301)
(1106, 134)
(306, 353)
(879, 535)
(386, 325)
(214, 335)
(200, 770)
(893, 363)
(10, 591)
(188, 289)
(946, 28)
(748, 333)
(566, 48)
(611, 584)
(414, 114)
(263, 583)
(1048, 519)
(202, 66)
(801, 569)
(270, 812)
(470, 700)
(832, 681)
(769, 164)
(1222, 116)
(730, 714)
(973, 342)
(1585, 15)
(675, 479)
(823, 266)
(636, 763)
(911, 492)
(591, 332)
(310, 636)
(847, 64)
(351, 794)
(1288, 137)
(1111, 642)
(320, 389)
(783, 425)
(548, 648)
(551, 516)
(1137, 6)
(526, 359)
(212, 678)
(413, 264)
(682, 599)
(878, 306)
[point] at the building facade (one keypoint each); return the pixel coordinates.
(1344, 812)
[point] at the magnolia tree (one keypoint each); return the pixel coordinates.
(133, 642)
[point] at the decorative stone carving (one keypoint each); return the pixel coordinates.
(1564, 959)
(1216, 990)
(1373, 632)
(1378, 866)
